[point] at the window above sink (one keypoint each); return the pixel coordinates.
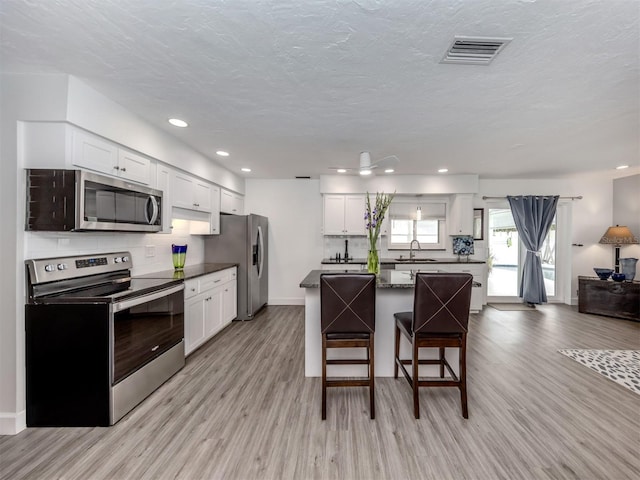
(417, 218)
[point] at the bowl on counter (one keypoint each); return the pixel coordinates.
(603, 273)
(618, 277)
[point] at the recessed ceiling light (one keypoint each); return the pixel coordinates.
(389, 170)
(245, 169)
(365, 172)
(342, 170)
(443, 170)
(622, 167)
(222, 153)
(176, 122)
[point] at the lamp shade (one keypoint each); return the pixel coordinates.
(618, 235)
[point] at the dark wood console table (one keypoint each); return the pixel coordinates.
(606, 297)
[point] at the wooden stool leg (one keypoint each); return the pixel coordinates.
(372, 398)
(324, 377)
(463, 376)
(441, 362)
(416, 379)
(397, 358)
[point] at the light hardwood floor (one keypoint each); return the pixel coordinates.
(242, 409)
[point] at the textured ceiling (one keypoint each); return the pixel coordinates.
(293, 87)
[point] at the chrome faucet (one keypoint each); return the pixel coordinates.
(411, 253)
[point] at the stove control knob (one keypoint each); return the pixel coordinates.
(62, 266)
(116, 259)
(125, 259)
(49, 268)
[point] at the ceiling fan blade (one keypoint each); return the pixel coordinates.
(386, 162)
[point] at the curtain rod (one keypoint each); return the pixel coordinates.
(562, 198)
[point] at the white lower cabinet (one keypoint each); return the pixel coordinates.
(477, 270)
(194, 313)
(229, 302)
(210, 305)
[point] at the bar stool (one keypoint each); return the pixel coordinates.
(439, 319)
(347, 320)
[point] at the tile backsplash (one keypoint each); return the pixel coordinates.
(54, 244)
(359, 246)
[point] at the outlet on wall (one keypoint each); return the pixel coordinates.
(150, 250)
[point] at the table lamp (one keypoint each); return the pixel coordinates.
(618, 236)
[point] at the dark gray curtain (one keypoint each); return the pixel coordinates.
(533, 216)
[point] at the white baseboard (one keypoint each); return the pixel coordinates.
(12, 423)
(286, 301)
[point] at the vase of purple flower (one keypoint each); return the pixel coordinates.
(373, 218)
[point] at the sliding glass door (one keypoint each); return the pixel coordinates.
(507, 254)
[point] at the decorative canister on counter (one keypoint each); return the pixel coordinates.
(628, 268)
(179, 253)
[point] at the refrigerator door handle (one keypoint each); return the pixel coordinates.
(260, 251)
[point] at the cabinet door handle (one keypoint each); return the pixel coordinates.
(216, 281)
(116, 168)
(123, 169)
(193, 289)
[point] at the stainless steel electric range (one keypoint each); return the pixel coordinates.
(98, 342)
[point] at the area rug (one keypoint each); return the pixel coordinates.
(511, 307)
(621, 366)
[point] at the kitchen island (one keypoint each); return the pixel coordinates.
(394, 293)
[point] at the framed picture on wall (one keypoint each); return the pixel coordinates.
(478, 223)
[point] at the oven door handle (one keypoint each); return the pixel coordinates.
(146, 298)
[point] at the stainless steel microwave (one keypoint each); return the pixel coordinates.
(75, 200)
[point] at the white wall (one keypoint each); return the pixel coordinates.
(294, 208)
(33, 98)
(626, 211)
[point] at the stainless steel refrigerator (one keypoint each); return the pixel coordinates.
(243, 240)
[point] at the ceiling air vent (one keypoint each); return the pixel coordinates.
(474, 50)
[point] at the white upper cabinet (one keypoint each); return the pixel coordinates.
(202, 194)
(133, 166)
(61, 145)
(344, 215)
(95, 153)
(196, 195)
(215, 210)
(190, 192)
(231, 202)
(163, 182)
(460, 218)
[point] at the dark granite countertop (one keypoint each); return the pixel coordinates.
(386, 278)
(189, 272)
(387, 261)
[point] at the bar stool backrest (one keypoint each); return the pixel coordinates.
(441, 302)
(347, 303)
